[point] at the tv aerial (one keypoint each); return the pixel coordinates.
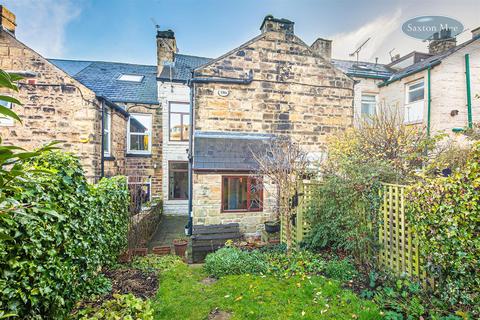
(357, 51)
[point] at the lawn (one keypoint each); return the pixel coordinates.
(183, 295)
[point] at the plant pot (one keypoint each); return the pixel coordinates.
(180, 246)
(162, 250)
(140, 252)
(272, 226)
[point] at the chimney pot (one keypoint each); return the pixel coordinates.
(7, 20)
(323, 47)
(270, 23)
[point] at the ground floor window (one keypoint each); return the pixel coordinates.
(178, 180)
(241, 193)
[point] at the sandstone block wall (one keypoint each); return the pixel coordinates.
(294, 92)
(57, 107)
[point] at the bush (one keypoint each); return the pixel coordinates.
(444, 213)
(230, 260)
(64, 233)
(296, 263)
(154, 263)
(342, 270)
(121, 307)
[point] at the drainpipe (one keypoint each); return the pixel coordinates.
(429, 101)
(191, 83)
(102, 156)
(469, 93)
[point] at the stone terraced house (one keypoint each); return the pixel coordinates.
(136, 120)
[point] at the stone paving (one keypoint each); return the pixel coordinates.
(169, 228)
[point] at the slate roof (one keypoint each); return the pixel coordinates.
(102, 78)
(227, 151)
(429, 62)
(183, 67)
(363, 69)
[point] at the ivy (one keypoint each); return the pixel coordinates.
(65, 231)
(444, 213)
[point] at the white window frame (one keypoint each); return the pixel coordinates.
(137, 78)
(362, 115)
(419, 104)
(6, 121)
(149, 133)
(108, 131)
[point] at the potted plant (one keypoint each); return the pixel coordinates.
(272, 226)
(180, 245)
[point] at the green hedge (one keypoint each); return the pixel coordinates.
(445, 215)
(68, 229)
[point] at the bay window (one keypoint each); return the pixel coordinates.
(139, 135)
(241, 193)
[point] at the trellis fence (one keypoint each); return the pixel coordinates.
(299, 225)
(398, 250)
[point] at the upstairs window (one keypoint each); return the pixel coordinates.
(6, 121)
(131, 77)
(139, 133)
(179, 121)
(107, 128)
(241, 193)
(369, 105)
(414, 101)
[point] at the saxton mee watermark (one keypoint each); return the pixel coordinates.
(425, 27)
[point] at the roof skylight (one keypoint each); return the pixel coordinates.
(130, 77)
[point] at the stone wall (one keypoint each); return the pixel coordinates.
(55, 108)
(294, 92)
(148, 166)
(207, 190)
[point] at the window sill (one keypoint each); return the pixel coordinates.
(138, 155)
(413, 122)
(240, 211)
(108, 158)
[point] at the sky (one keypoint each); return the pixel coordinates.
(124, 30)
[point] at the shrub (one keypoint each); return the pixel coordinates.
(121, 307)
(64, 233)
(342, 270)
(154, 263)
(230, 260)
(444, 213)
(296, 263)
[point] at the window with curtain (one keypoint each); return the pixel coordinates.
(241, 193)
(369, 105)
(414, 101)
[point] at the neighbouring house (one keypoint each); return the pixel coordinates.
(274, 84)
(55, 105)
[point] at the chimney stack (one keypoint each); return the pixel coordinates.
(476, 33)
(270, 23)
(7, 20)
(166, 49)
(442, 42)
(323, 47)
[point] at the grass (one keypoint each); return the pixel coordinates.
(182, 296)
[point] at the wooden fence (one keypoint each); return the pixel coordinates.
(398, 250)
(299, 225)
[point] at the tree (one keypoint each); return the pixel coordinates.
(284, 164)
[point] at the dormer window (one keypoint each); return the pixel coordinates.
(131, 77)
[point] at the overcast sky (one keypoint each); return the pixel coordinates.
(124, 30)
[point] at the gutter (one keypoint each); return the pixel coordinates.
(469, 92)
(191, 83)
(114, 106)
(429, 101)
(429, 66)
